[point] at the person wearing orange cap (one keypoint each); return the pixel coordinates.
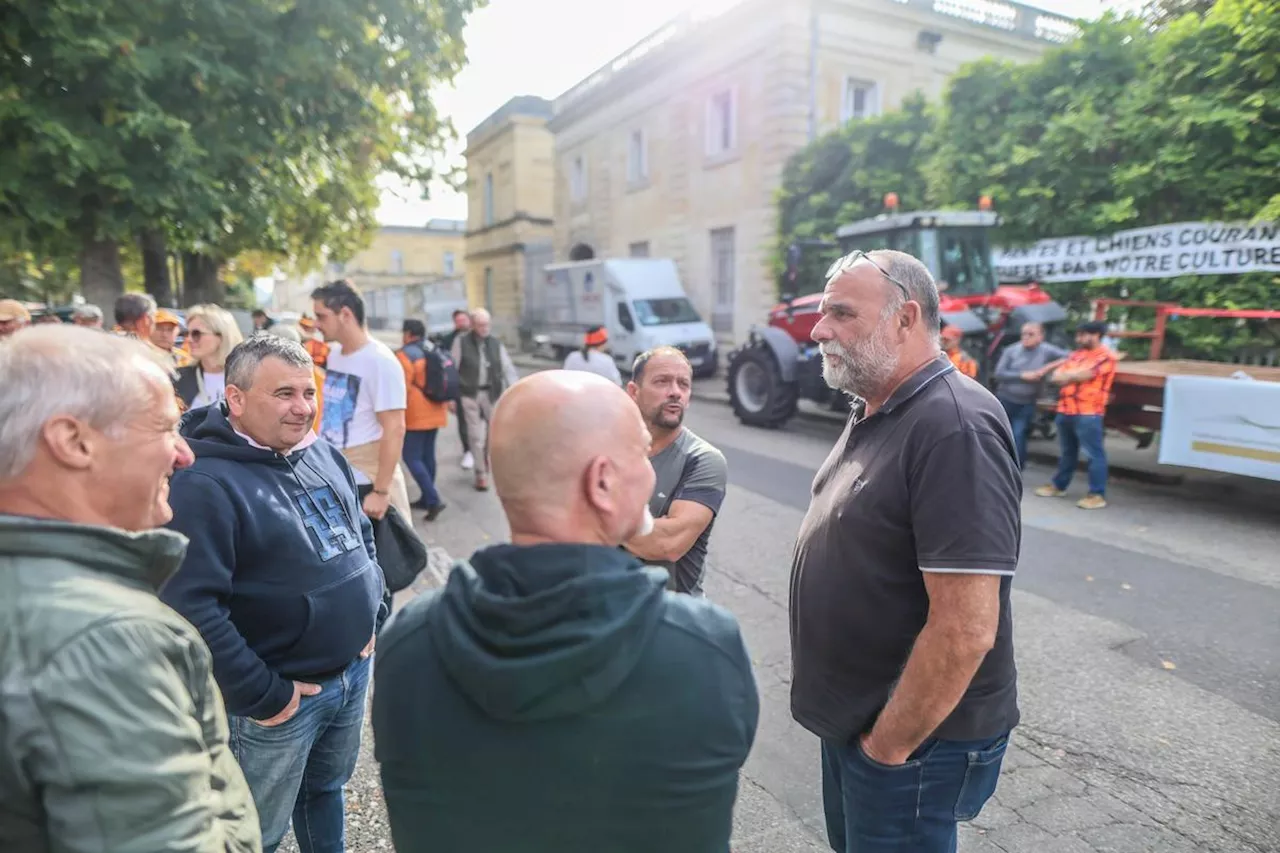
(594, 356)
(951, 337)
(315, 347)
(164, 334)
(13, 316)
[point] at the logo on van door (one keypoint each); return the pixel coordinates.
(588, 281)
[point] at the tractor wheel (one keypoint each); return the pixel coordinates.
(757, 391)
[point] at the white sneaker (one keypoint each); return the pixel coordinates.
(468, 461)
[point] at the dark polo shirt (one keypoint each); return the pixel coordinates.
(930, 482)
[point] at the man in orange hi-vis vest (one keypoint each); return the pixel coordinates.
(1086, 379)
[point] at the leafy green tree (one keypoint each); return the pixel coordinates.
(844, 175)
(1128, 125)
(212, 128)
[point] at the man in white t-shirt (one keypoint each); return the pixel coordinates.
(364, 398)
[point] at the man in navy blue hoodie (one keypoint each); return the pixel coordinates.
(281, 580)
(553, 697)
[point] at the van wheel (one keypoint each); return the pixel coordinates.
(757, 392)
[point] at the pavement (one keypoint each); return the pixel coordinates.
(1147, 641)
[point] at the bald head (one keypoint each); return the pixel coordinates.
(570, 457)
(481, 322)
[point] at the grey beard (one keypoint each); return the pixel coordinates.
(859, 374)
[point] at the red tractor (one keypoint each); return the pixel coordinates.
(780, 364)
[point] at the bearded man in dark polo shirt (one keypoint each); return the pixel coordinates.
(901, 632)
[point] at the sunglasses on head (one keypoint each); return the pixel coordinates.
(843, 265)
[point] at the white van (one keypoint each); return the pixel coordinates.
(639, 300)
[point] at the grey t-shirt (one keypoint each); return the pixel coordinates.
(1017, 360)
(689, 469)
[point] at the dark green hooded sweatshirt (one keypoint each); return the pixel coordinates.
(554, 699)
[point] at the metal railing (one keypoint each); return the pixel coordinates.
(1166, 310)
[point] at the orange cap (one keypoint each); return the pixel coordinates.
(306, 322)
(164, 315)
(597, 337)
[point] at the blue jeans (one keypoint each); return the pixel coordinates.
(912, 808)
(420, 458)
(1076, 433)
(1021, 416)
(297, 769)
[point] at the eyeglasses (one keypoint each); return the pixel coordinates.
(843, 265)
(197, 334)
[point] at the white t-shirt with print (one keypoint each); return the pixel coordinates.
(356, 388)
(213, 388)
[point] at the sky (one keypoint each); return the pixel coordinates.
(544, 47)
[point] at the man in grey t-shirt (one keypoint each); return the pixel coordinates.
(691, 473)
(1019, 373)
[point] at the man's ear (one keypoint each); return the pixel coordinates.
(70, 441)
(633, 389)
(598, 484)
(235, 400)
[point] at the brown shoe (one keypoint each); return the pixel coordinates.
(482, 483)
(1050, 491)
(1092, 502)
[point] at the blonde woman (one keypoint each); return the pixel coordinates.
(212, 333)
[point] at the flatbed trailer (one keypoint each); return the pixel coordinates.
(1137, 395)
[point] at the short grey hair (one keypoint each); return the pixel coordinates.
(917, 280)
(280, 330)
(87, 312)
(132, 307)
(48, 371)
(244, 360)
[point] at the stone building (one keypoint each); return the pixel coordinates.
(676, 147)
(409, 271)
(510, 181)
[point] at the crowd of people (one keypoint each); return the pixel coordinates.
(194, 608)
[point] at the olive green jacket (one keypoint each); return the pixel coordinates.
(112, 732)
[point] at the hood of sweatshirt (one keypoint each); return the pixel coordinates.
(545, 631)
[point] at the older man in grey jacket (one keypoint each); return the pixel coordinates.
(114, 733)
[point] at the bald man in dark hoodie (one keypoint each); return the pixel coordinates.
(553, 698)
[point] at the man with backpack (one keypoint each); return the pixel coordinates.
(431, 382)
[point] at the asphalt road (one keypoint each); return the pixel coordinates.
(1147, 634)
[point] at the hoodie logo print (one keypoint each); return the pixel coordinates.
(323, 516)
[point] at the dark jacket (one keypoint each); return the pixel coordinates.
(114, 735)
(280, 576)
(469, 379)
(554, 699)
(188, 382)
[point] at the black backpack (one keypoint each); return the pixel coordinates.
(441, 373)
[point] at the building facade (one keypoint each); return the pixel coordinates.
(676, 148)
(510, 184)
(409, 271)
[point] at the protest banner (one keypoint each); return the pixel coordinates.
(1159, 251)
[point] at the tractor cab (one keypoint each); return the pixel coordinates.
(953, 244)
(779, 364)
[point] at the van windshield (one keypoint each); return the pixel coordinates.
(664, 312)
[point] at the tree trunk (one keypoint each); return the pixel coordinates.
(155, 267)
(101, 280)
(200, 282)
(175, 275)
